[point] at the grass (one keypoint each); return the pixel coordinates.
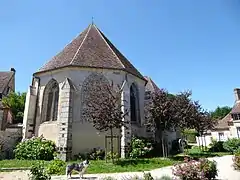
(126, 165)
(196, 152)
(14, 163)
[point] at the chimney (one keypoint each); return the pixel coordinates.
(237, 94)
(13, 70)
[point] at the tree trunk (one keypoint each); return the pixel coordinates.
(199, 145)
(163, 146)
(111, 131)
(184, 152)
(205, 143)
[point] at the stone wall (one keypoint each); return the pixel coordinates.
(8, 140)
(79, 133)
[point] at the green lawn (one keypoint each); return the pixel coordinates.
(196, 152)
(16, 163)
(126, 165)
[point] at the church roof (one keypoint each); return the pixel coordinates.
(151, 86)
(91, 48)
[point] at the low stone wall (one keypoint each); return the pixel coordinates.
(8, 140)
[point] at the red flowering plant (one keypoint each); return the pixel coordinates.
(195, 170)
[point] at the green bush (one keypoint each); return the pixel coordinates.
(115, 155)
(232, 145)
(94, 154)
(236, 160)
(209, 168)
(37, 172)
(56, 166)
(35, 149)
(190, 135)
(140, 147)
(216, 146)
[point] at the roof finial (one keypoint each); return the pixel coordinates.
(92, 20)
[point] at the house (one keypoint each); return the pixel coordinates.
(55, 99)
(7, 84)
(228, 127)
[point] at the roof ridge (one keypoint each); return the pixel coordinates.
(100, 33)
(80, 45)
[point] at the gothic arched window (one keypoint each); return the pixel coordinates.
(50, 103)
(134, 103)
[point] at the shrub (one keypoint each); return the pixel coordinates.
(140, 148)
(232, 145)
(37, 172)
(236, 160)
(115, 155)
(216, 146)
(56, 166)
(94, 154)
(196, 170)
(35, 149)
(190, 135)
(209, 168)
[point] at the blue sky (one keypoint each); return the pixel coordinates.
(181, 45)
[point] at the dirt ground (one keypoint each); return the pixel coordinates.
(15, 175)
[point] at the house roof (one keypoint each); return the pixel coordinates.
(236, 108)
(91, 48)
(223, 123)
(151, 86)
(5, 77)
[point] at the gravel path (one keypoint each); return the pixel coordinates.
(226, 172)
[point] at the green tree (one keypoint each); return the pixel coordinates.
(16, 102)
(220, 112)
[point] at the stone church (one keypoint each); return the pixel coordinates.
(55, 99)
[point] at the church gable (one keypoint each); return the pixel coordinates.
(91, 49)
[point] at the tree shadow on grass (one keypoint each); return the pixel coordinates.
(133, 162)
(84, 178)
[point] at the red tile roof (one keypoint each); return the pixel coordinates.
(236, 108)
(223, 123)
(5, 77)
(91, 49)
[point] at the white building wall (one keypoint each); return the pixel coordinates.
(84, 135)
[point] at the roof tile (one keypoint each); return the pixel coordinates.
(4, 79)
(151, 86)
(91, 49)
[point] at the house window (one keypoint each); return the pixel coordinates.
(238, 132)
(236, 116)
(221, 136)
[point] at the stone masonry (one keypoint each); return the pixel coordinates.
(65, 122)
(125, 131)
